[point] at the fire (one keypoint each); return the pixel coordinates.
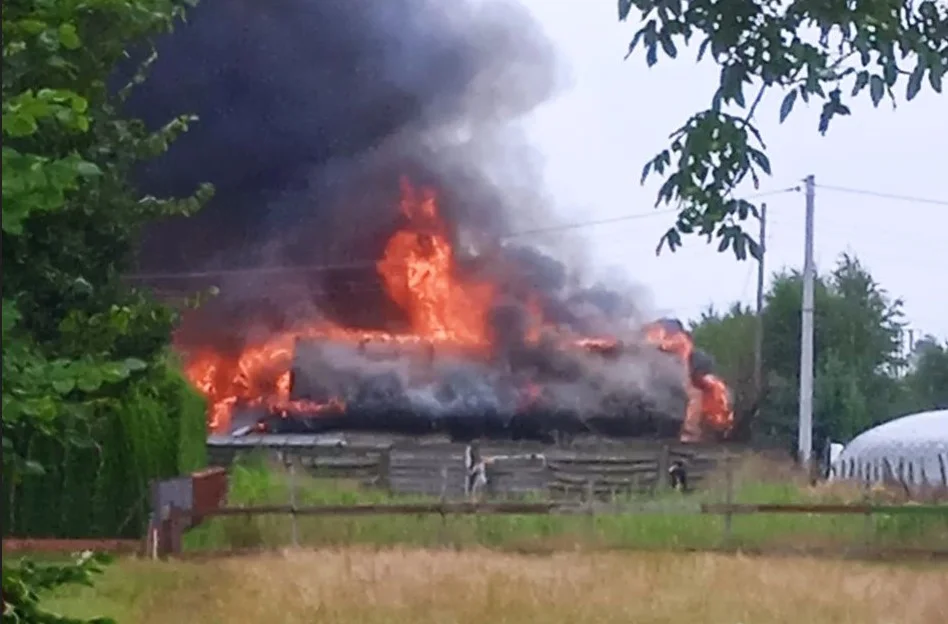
(709, 400)
(419, 272)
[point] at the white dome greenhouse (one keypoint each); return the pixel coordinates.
(912, 449)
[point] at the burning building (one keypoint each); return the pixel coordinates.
(368, 170)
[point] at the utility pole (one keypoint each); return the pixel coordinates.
(759, 332)
(805, 434)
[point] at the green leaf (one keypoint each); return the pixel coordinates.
(876, 89)
(33, 468)
(64, 386)
(134, 364)
(862, 79)
(646, 170)
(667, 44)
(761, 159)
(651, 56)
(87, 169)
(79, 104)
(935, 74)
(114, 372)
(671, 238)
(68, 37)
(755, 249)
(703, 48)
(32, 26)
(826, 114)
(19, 124)
(915, 82)
(787, 105)
(89, 381)
(890, 72)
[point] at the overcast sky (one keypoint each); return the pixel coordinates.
(614, 115)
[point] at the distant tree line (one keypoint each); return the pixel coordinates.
(864, 371)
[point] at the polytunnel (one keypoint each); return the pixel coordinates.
(911, 449)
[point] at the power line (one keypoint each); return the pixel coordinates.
(585, 224)
(868, 193)
(321, 268)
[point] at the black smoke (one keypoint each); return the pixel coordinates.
(309, 111)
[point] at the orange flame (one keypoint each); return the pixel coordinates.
(419, 273)
(709, 400)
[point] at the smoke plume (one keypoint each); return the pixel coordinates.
(310, 115)
(310, 111)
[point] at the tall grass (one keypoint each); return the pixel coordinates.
(255, 482)
(398, 586)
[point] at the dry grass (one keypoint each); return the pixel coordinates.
(473, 587)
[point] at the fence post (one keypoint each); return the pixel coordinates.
(728, 497)
(662, 464)
(385, 469)
(176, 532)
(443, 529)
(294, 527)
(590, 506)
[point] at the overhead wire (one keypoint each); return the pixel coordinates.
(891, 196)
(356, 288)
(319, 268)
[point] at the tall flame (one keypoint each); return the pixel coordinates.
(709, 400)
(420, 274)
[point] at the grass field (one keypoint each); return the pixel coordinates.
(513, 569)
(418, 586)
(255, 483)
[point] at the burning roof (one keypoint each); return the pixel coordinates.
(477, 346)
(403, 305)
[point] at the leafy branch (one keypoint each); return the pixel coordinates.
(828, 51)
(76, 341)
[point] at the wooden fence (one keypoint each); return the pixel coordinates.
(171, 542)
(514, 470)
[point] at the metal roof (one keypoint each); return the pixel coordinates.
(277, 441)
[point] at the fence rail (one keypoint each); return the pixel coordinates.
(552, 507)
(58, 546)
(171, 539)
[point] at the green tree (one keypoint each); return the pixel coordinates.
(88, 383)
(928, 380)
(857, 353)
(825, 51)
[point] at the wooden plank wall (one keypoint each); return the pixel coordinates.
(517, 469)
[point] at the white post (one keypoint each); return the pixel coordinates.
(805, 434)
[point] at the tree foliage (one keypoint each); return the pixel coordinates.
(928, 380)
(862, 373)
(828, 52)
(77, 343)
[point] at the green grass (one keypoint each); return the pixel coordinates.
(255, 483)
